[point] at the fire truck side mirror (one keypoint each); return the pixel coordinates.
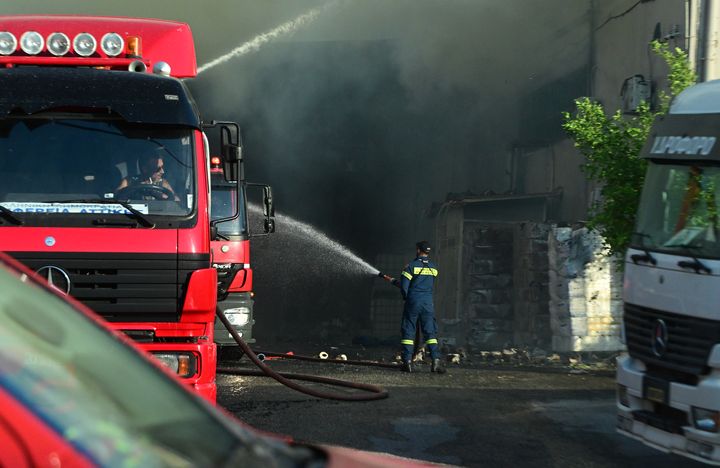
(268, 206)
(232, 162)
(269, 226)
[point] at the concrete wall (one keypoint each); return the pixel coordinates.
(620, 44)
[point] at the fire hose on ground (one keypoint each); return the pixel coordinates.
(285, 378)
(375, 392)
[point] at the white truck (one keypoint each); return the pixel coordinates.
(668, 382)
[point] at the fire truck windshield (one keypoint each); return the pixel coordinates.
(678, 210)
(77, 164)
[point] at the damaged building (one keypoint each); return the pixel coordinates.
(520, 268)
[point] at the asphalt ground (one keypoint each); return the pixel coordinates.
(476, 414)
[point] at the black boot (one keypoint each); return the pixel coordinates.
(437, 366)
(406, 366)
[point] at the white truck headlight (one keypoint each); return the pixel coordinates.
(238, 316)
(705, 419)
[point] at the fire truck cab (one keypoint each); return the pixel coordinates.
(231, 233)
(104, 177)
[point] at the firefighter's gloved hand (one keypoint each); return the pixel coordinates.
(395, 282)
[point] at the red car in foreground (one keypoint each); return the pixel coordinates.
(64, 403)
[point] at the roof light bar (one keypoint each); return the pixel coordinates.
(31, 42)
(8, 43)
(58, 43)
(84, 44)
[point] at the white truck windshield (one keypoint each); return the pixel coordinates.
(678, 210)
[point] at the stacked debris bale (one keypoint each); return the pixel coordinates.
(585, 292)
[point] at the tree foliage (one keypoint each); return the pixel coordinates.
(611, 145)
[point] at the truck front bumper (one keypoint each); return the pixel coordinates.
(659, 413)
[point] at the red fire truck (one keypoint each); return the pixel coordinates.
(231, 250)
(104, 177)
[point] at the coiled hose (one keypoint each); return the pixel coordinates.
(375, 392)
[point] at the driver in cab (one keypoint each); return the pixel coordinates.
(151, 175)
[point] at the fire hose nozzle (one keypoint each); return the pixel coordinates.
(389, 279)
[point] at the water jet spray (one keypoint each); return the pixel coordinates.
(255, 43)
(299, 230)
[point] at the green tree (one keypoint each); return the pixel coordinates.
(611, 145)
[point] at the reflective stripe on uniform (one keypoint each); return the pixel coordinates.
(425, 271)
(407, 275)
(410, 342)
(431, 341)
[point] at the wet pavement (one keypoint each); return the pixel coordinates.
(474, 415)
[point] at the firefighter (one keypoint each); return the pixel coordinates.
(416, 286)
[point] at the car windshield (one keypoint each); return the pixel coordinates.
(224, 200)
(96, 392)
(79, 164)
(678, 210)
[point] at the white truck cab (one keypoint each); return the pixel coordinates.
(669, 379)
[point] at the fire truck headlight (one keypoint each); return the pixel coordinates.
(183, 364)
(58, 43)
(32, 43)
(112, 44)
(84, 44)
(238, 316)
(8, 43)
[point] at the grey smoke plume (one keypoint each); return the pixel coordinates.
(365, 116)
(376, 109)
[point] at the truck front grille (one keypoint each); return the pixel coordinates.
(124, 287)
(688, 344)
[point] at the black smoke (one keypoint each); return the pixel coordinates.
(366, 117)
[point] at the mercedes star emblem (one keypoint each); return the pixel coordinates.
(659, 338)
(56, 277)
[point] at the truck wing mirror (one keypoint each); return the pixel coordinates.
(232, 162)
(268, 206)
(230, 148)
(269, 226)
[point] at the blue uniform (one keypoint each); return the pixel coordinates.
(416, 285)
